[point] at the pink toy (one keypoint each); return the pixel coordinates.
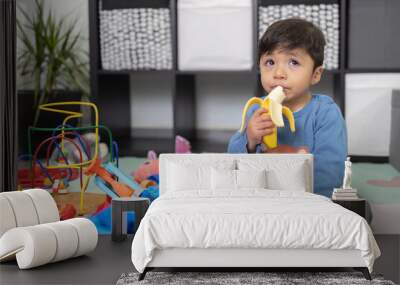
(182, 145)
(67, 212)
(150, 167)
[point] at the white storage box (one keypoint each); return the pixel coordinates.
(215, 35)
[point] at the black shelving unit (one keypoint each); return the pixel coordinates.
(111, 89)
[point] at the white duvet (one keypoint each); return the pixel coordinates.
(252, 218)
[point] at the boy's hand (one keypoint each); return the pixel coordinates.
(259, 125)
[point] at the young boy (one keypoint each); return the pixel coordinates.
(291, 54)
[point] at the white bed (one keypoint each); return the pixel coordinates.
(204, 219)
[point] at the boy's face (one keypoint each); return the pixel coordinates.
(291, 69)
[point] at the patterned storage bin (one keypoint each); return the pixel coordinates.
(135, 39)
(325, 16)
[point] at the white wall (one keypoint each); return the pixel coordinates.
(368, 105)
(220, 99)
(151, 101)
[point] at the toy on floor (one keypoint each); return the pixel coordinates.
(182, 145)
(60, 186)
(150, 167)
(273, 103)
(68, 211)
(88, 140)
(62, 182)
(61, 108)
(147, 183)
(68, 150)
(151, 192)
(43, 178)
(147, 175)
(105, 180)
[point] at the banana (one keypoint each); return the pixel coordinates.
(273, 103)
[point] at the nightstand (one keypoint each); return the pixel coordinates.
(358, 206)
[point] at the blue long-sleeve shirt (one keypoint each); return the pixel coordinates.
(320, 127)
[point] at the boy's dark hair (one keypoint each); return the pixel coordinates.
(291, 34)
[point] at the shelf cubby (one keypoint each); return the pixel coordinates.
(373, 35)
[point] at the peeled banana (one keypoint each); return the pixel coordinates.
(273, 103)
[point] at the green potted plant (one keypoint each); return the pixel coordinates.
(51, 58)
(51, 55)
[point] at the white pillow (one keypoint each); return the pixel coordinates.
(227, 179)
(251, 178)
(186, 175)
(182, 177)
(223, 179)
(282, 174)
(293, 180)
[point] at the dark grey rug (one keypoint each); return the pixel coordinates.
(269, 278)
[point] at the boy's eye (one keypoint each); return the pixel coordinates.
(269, 62)
(293, 62)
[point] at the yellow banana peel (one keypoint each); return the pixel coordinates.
(273, 103)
